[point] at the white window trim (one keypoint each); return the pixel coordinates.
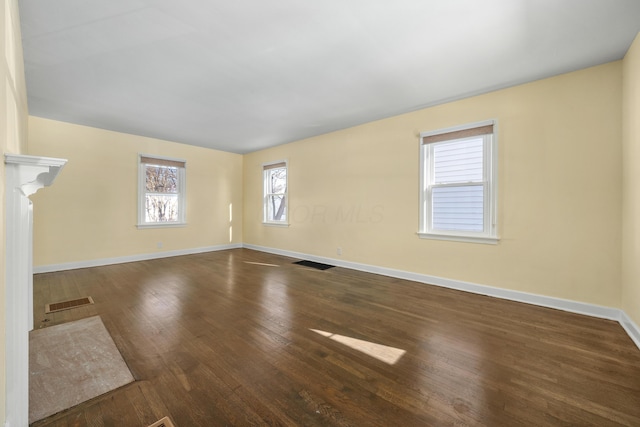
(182, 214)
(491, 178)
(275, 224)
(265, 196)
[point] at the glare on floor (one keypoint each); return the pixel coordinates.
(384, 353)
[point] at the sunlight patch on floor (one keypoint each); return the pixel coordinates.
(261, 263)
(384, 353)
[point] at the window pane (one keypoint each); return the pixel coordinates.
(458, 208)
(276, 208)
(161, 179)
(459, 161)
(161, 208)
(277, 180)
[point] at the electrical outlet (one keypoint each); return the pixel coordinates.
(159, 245)
(339, 251)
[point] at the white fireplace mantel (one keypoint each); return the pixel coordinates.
(33, 172)
(24, 176)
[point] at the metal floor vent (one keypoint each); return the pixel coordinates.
(66, 305)
(313, 264)
(165, 422)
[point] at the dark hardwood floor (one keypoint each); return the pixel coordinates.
(244, 338)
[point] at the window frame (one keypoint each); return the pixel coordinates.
(265, 194)
(182, 192)
(489, 182)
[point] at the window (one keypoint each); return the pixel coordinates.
(458, 191)
(161, 189)
(275, 193)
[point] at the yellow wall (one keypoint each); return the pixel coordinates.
(559, 203)
(631, 183)
(13, 139)
(91, 212)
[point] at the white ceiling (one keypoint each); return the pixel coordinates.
(242, 75)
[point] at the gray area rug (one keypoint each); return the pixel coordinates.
(72, 363)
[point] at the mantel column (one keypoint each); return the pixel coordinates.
(24, 176)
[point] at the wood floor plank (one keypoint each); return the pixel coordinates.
(92, 414)
(243, 338)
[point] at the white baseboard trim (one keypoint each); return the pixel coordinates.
(592, 310)
(630, 327)
(131, 258)
(544, 301)
(540, 300)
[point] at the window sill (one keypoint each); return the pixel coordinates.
(276, 224)
(455, 238)
(162, 225)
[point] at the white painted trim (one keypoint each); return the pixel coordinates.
(630, 327)
(587, 309)
(540, 300)
(578, 307)
(131, 258)
(161, 225)
(456, 238)
(45, 162)
(34, 172)
(24, 175)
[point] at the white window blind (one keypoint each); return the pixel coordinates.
(458, 161)
(458, 187)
